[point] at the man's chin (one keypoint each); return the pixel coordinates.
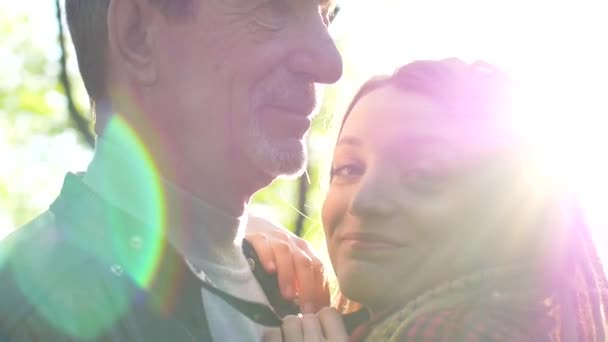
(288, 162)
(288, 168)
(276, 157)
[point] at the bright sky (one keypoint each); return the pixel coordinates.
(555, 46)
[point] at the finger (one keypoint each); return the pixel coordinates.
(321, 296)
(285, 268)
(311, 328)
(332, 325)
(272, 335)
(261, 244)
(306, 282)
(305, 246)
(292, 329)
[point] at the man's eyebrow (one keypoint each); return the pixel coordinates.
(330, 8)
(334, 13)
(326, 3)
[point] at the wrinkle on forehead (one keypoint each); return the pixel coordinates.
(235, 23)
(243, 6)
(236, 6)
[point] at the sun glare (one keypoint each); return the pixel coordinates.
(551, 49)
(566, 122)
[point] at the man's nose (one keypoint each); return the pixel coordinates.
(377, 195)
(317, 56)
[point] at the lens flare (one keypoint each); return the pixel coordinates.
(145, 248)
(82, 297)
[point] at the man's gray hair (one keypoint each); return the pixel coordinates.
(88, 23)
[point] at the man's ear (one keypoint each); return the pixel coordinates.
(131, 38)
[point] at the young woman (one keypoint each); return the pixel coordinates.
(439, 224)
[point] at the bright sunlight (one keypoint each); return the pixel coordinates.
(552, 50)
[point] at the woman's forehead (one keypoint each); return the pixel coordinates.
(391, 113)
(390, 109)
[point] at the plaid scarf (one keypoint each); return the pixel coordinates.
(501, 305)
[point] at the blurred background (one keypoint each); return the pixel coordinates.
(555, 50)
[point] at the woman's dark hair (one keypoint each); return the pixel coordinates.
(475, 91)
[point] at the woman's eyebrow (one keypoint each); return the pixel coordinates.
(416, 144)
(349, 141)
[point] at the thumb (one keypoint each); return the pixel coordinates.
(272, 335)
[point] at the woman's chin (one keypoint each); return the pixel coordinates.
(363, 285)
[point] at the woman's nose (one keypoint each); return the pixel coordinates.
(377, 195)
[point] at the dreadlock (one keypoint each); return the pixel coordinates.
(584, 287)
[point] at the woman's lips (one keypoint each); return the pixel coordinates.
(367, 241)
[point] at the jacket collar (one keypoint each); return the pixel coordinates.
(134, 251)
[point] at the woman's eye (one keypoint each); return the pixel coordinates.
(347, 171)
(422, 174)
(418, 175)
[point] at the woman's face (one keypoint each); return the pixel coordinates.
(411, 200)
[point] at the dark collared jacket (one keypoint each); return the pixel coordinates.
(85, 271)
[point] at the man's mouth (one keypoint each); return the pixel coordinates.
(288, 120)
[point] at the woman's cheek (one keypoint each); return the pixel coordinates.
(434, 215)
(334, 209)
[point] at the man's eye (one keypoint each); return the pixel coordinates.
(272, 14)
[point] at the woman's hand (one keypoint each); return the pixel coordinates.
(327, 325)
(299, 271)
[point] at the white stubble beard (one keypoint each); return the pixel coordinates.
(280, 158)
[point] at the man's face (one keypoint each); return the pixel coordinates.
(238, 77)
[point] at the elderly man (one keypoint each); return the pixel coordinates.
(198, 104)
